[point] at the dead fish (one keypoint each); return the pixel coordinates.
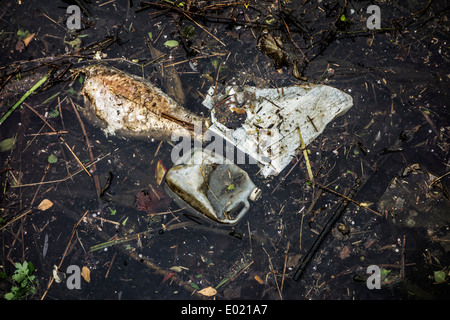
(132, 107)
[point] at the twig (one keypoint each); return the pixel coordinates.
(61, 138)
(110, 264)
(39, 187)
(16, 218)
(305, 155)
(65, 252)
(403, 256)
(88, 145)
(204, 29)
(362, 205)
(284, 268)
(306, 259)
(47, 133)
(60, 180)
(245, 268)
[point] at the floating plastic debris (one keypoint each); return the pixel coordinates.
(269, 131)
(209, 188)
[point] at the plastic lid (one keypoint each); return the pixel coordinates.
(256, 193)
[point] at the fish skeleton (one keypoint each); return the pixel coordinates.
(132, 107)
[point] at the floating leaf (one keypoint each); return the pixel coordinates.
(188, 32)
(195, 286)
(171, 43)
(221, 283)
(160, 172)
(168, 276)
(52, 158)
(86, 274)
(231, 187)
(54, 113)
(75, 43)
(45, 204)
(125, 221)
(439, 276)
(208, 292)
(178, 268)
(175, 268)
(257, 278)
(7, 144)
(150, 35)
(28, 39)
(22, 34)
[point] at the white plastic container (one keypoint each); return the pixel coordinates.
(211, 189)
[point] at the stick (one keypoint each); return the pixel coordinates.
(302, 265)
(61, 138)
(24, 97)
(362, 205)
(59, 180)
(284, 268)
(65, 252)
(403, 257)
(305, 154)
(204, 29)
(88, 145)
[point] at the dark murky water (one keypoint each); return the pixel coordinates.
(398, 80)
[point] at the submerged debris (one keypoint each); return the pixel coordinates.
(131, 106)
(273, 48)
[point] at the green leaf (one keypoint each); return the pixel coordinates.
(10, 296)
(125, 221)
(7, 144)
(52, 158)
(75, 43)
(171, 43)
(112, 211)
(22, 34)
(195, 286)
(47, 100)
(54, 113)
(80, 79)
(188, 32)
(439, 276)
(221, 283)
(343, 18)
(30, 268)
(150, 35)
(231, 187)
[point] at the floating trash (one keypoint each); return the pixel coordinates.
(131, 106)
(209, 188)
(274, 120)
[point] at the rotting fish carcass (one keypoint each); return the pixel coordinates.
(130, 106)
